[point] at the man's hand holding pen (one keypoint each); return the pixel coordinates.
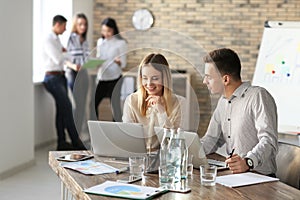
(236, 164)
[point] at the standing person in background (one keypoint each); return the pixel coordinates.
(154, 98)
(78, 51)
(56, 84)
(111, 47)
(78, 47)
(245, 118)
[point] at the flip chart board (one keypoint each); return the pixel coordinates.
(278, 70)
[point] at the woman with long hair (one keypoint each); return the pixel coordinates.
(78, 51)
(154, 97)
(111, 47)
(78, 47)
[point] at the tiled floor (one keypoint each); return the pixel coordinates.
(35, 183)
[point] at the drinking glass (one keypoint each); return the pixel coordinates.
(137, 165)
(208, 175)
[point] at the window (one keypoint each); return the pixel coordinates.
(43, 12)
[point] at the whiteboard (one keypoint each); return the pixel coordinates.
(278, 70)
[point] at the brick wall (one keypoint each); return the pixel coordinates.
(237, 24)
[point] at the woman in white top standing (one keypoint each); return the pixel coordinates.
(111, 47)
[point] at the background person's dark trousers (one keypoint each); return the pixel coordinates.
(56, 85)
(112, 90)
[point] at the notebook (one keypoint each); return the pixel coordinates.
(116, 139)
(242, 179)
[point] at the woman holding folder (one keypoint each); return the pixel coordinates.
(112, 48)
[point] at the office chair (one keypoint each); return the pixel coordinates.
(288, 164)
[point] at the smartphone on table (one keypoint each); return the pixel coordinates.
(74, 157)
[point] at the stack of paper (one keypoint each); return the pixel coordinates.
(236, 180)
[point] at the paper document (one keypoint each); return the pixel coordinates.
(249, 178)
(90, 167)
(93, 63)
(123, 190)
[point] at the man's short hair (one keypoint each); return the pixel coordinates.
(59, 19)
(226, 61)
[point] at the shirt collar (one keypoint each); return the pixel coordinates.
(74, 34)
(54, 35)
(240, 91)
(110, 40)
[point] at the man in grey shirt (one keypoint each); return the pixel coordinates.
(245, 118)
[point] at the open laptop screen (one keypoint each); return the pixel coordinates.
(116, 139)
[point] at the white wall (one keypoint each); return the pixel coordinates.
(43, 13)
(44, 116)
(17, 117)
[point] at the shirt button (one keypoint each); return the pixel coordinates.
(229, 101)
(228, 119)
(228, 136)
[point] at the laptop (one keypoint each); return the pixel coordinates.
(193, 143)
(117, 139)
(122, 140)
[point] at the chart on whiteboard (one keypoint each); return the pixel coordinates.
(280, 58)
(278, 70)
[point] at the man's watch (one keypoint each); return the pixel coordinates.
(249, 162)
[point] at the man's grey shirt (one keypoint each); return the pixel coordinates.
(247, 122)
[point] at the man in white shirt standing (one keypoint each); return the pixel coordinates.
(245, 118)
(56, 84)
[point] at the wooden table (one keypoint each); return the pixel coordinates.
(75, 182)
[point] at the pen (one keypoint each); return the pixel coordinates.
(230, 155)
(123, 169)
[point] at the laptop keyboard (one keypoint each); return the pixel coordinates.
(216, 163)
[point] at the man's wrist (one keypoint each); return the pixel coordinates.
(249, 163)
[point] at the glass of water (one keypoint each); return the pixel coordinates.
(190, 166)
(137, 165)
(166, 176)
(208, 174)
